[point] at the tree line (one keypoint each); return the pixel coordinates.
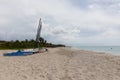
(24, 44)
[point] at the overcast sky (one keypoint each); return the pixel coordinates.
(71, 22)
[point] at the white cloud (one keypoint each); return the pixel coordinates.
(62, 21)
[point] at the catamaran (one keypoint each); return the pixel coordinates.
(29, 51)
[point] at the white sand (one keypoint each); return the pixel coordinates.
(60, 64)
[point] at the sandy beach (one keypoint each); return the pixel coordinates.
(60, 64)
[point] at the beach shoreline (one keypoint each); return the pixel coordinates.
(114, 50)
(62, 63)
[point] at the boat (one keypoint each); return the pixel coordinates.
(25, 53)
(18, 53)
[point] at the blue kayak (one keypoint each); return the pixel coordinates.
(18, 53)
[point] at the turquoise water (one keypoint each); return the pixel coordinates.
(108, 49)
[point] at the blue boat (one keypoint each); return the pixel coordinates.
(18, 53)
(25, 53)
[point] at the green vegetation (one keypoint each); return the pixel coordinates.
(27, 44)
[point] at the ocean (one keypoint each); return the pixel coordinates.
(107, 49)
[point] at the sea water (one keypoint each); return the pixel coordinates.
(107, 49)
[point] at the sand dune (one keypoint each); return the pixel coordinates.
(60, 64)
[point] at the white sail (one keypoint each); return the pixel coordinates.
(39, 31)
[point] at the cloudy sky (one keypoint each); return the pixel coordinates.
(71, 22)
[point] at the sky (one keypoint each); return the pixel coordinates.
(70, 22)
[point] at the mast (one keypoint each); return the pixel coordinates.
(38, 32)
